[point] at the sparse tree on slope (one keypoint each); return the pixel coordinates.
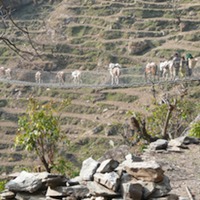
(39, 131)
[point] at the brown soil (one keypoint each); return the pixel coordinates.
(183, 170)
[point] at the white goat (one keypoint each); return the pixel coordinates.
(60, 77)
(76, 76)
(8, 73)
(38, 77)
(114, 69)
(2, 72)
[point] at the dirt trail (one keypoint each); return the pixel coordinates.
(183, 170)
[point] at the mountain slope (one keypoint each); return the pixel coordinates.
(92, 33)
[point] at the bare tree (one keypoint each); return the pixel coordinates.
(8, 39)
(177, 13)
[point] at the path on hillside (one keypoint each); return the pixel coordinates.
(93, 79)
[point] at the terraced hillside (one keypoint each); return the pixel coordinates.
(94, 122)
(92, 33)
(72, 34)
(93, 118)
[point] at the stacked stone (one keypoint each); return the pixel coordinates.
(109, 179)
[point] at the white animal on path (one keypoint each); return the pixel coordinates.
(76, 76)
(168, 68)
(8, 73)
(2, 72)
(38, 77)
(164, 69)
(60, 77)
(114, 69)
(150, 71)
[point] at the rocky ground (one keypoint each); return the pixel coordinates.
(183, 170)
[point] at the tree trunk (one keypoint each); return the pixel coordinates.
(168, 116)
(45, 163)
(140, 129)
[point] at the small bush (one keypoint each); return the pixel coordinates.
(2, 185)
(120, 97)
(195, 130)
(3, 102)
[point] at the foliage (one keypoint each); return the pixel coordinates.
(2, 185)
(39, 130)
(65, 168)
(176, 12)
(179, 120)
(151, 127)
(195, 130)
(120, 97)
(3, 102)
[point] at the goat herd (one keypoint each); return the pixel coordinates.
(114, 70)
(60, 77)
(166, 70)
(174, 68)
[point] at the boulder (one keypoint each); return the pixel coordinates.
(161, 188)
(110, 180)
(6, 194)
(74, 181)
(146, 171)
(133, 158)
(107, 166)
(27, 196)
(159, 144)
(78, 191)
(89, 167)
(57, 180)
(132, 191)
(26, 182)
(55, 192)
(97, 189)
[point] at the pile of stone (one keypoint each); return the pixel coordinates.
(174, 145)
(131, 179)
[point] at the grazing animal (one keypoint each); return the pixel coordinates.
(164, 69)
(2, 72)
(191, 64)
(76, 76)
(38, 77)
(173, 66)
(8, 73)
(60, 77)
(170, 68)
(114, 69)
(151, 71)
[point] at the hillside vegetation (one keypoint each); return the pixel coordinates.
(72, 34)
(94, 122)
(92, 33)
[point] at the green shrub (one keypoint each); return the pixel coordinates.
(195, 130)
(3, 102)
(120, 97)
(2, 185)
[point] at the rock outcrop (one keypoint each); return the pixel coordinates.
(108, 180)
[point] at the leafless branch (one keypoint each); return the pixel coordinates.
(14, 48)
(189, 193)
(9, 43)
